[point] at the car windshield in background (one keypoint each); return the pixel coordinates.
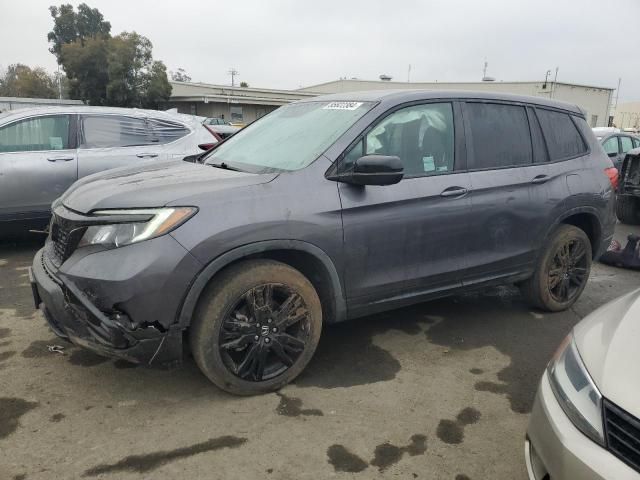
(290, 138)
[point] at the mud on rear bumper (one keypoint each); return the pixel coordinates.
(72, 316)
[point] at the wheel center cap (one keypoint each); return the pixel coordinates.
(264, 330)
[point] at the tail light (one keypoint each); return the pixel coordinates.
(206, 146)
(210, 130)
(612, 173)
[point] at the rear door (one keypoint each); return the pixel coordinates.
(38, 162)
(612, 148)
(110, 141)
(177, 139)
(507, 207)
(407, 239)
(626, 144)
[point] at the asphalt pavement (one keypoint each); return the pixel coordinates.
(441, 390)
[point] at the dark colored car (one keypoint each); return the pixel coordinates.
(616, 145)
(628, 197)
(325, 210)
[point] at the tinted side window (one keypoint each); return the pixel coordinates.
(611, 145)
(114, 131)
(626, 144)
(636, 143)
(561, 134)
(500, 135)
(421, 135)
(36, 134)
(166, 131)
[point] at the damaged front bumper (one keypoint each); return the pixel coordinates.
(73, 316)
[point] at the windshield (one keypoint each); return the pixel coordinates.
(290, 138)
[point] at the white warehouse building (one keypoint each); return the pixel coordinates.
(247, 104)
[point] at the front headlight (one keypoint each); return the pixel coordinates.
(575, 391)
(156, 222)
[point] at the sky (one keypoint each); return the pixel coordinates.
(294, 43)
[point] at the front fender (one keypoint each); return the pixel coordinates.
(211, 269)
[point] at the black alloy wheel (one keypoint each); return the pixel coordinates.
(568, 271)
(265, 332)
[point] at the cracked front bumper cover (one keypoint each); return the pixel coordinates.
(71, 315)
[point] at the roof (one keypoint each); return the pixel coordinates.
(423, 85)
(59, 109)
(40, 101)
(400, 96)
(205, 92)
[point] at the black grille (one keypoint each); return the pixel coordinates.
(64, 237)
(623, 434)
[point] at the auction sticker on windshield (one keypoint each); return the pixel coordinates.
(342, 106)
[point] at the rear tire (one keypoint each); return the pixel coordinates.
(627, 210)
(562, 270)
(256, 327)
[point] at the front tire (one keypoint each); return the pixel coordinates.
(256, 327)
(628, 210)
(562, 271)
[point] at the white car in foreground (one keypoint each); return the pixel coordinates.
(585, 423)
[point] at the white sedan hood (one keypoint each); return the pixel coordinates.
(609, 343)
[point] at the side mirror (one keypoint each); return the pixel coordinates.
(373, 170)
(612, 155)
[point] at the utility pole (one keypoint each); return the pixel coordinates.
(233, 72)
(409, 74)
(555, 80)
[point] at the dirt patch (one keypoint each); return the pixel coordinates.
(347, 356)
(86, 358)
(5, 355)
(292, 407)
(39, 349)
(387, 454)
(55, 418)
(151, 461)
(345, 461)
(499, 318)
(452, 431)
(5, 332)
(123, 364)
(11, 409)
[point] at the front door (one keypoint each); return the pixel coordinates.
(38, 162)
(407, 240)
(110, 141)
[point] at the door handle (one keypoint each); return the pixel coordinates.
(60, 159)
(147, 155)
(540, 179)
(454, 192)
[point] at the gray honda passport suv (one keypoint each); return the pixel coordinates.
(325, 210)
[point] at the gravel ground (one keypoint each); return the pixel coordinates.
(441, 390)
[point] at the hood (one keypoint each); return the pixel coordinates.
(608, 341)
(153, 185)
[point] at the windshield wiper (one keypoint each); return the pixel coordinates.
(224, 166)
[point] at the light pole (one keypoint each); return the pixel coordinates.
(233, 72)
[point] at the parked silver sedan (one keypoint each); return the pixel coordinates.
(44, 150)
(585, 422)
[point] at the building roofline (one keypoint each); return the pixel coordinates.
(241, 89)
(417, 84)
(53, 101)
